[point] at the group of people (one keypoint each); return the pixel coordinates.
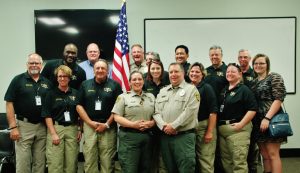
(186, 119)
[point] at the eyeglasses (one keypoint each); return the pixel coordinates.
(63, 76)
(260, 63)
(33, 63)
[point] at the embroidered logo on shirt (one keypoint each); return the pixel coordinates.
(232, 93)
(73, 77)
(28, 85)
(107, 89)
(44, 85)
(219, 73)
(72, 98)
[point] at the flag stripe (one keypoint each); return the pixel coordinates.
(121, 52)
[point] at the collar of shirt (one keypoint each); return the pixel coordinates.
(181, 85)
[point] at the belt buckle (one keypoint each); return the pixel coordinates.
(25, 120)
(227, 122)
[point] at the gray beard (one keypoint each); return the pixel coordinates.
(34, 72)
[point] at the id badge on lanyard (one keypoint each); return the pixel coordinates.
(67, 116)
(97, 105)
(38, 101)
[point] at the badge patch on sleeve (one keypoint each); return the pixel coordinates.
(197, 95)
(118, 99)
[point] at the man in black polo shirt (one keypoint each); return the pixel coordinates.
(70, 56)
(24, 97)
(216, 77)
(181, 56)
(216, 73)
(244, 59)
(96, 99)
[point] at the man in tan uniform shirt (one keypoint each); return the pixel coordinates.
(176, 111)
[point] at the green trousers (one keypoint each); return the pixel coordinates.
(178, 152)
(134, 152)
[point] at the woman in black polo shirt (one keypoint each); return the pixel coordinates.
(238, 107)
(61, 117)
(206, 135)
(156, 77)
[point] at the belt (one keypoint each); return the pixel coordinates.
(186, 132)
(227, 122)
(63, 123)
(126, 129)
(181, 132)
(27, 120)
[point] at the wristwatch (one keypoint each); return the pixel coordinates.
(107, 126)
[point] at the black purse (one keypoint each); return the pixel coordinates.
(280, 125)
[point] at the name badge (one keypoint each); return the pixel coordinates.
(98, 105)
(38, 101)
(67, 116)
(221, 108)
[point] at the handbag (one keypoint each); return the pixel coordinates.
(280, 125)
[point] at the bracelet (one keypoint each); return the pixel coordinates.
(267, 118)
(12, 128)
(107, 126)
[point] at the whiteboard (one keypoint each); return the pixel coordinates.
(275, 37)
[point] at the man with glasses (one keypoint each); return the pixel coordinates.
(69, 59)
(24, 98)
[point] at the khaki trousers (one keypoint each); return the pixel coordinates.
(99, 145)
(63, 158)
(234, 146)
(205, 153)
(30, 148)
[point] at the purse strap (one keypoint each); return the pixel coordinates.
(283, 107)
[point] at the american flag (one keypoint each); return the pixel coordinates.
(121, 53)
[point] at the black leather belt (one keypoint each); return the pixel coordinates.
(64, 123)
(126, 129)
(27, 120)
(186, 132)
(181, 132)
(227, 122)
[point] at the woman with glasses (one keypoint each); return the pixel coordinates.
(270, 92)
(61, 118)
(133, 112)
(206, 135)
(237, 108)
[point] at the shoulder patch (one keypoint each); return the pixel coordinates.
(118, 99)
(197, 95)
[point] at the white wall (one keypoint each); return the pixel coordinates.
(17, 29)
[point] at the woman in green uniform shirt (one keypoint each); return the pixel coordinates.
(133, 112)
(63, 134)
(238, 107)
